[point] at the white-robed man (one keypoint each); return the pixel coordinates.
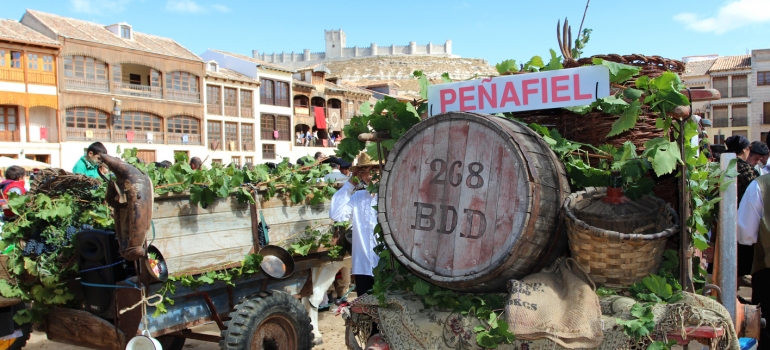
(754, 229)
(353, 202)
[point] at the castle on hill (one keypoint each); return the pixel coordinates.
(336, 49)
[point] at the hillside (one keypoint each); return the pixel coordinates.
(362, 71)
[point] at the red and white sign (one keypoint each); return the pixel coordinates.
(522, 92)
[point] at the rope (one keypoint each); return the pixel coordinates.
(144, 302)
(102, 267)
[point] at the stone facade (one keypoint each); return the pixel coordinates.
(336, 49)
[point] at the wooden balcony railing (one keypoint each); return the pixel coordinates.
(178, 139)
(139, 136)
(128, 89)
(301, 111)
(43, 78)
(185, 96)
(12, 74)
(247, 112)
(83, 134)
(83, 84)
(231, 111)
(10, 136)
(214, 109)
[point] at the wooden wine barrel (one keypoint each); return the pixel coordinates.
(469, 201)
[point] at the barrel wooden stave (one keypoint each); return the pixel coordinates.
(523, 171)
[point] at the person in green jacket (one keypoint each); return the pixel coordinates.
(88, 164)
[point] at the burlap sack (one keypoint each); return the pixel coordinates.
(558, 303)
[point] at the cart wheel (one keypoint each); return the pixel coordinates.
(170, 343)
(268, 320)
(17, 343)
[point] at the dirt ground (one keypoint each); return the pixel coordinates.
(332, 328)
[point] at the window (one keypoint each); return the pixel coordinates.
(212, 67)
(247, 104)
(139, 121)
(183, 125)
(248, 160)
(720, 83)
(8, 119)
(216, 161)
(740, 115)
(266, 92)
(763, 78)
(182, 81)
(154, 78)
(268, 151)
(270, 123)
(15, 59)
(125, 32)
(85, 67)
(87, 118)
(720, 116)
(231, 102)
(117, 76)
(231, 136)
(2, 58)
(743, 133)
(32, 63)
(763, 137)
(47, 63)
(719, 139)
(766, 113)
(740, 86)
(213, 99)
(135, 79)
(146, 155)
(235, 160)
(247, 137)
(215, 132)
(282, 94)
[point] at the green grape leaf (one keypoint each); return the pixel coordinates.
(554, 63)
(627, 120)
(507, 66)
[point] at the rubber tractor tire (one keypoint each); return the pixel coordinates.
(268, 320)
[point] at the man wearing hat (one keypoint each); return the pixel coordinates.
(336, 176)
(758, 156)
(353, 202)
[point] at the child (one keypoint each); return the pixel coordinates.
(14, 183)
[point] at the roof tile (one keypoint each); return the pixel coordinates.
(98, 33)
(13, 30)
(696, 68)
(731, 63)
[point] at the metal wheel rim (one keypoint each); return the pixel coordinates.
(277, 329)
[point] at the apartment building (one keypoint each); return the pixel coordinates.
(230, 115)
(28, 94)
(273, 104)
(123, 88)
(323, 106)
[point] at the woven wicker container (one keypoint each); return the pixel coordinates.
(621, 246)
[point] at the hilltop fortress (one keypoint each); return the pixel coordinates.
(336, 50)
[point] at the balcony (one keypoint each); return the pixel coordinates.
(138, 136)
(184, 96)
(41, 78)
(720, 122)
(247, 112)
(214, 109)
(10, 136)
(83, 134)
(128, 89)
(301, 111)
(12, 74)
(231, 111)
(740, 121)
(178, 139)
(83, 84)
(739, 91)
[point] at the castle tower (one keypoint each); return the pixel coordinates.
(335, 41)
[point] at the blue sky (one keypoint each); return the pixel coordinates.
(493, 30)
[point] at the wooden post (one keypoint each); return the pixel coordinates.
(728, 243)
(685, 241)
(26, 120)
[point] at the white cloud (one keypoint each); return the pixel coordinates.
(98, 7)
(733, 15)
(184, 6)
(221, 8)
(190, 6)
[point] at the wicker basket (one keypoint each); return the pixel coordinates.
(615, 259)
(5, 275)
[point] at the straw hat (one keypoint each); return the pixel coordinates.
(365, 161)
